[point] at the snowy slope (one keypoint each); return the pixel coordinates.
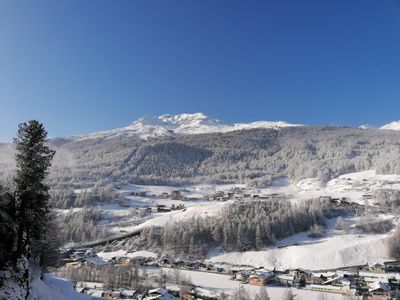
(152, 126)
(334, 251)
(51, 288)
(392, 126)
(47, 288)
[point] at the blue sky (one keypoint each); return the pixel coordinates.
(81, 66)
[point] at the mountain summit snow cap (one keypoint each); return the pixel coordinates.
(392, 126)
(197, 123)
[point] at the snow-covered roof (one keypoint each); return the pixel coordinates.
(377, 285)
(285, 277)
(160, 291)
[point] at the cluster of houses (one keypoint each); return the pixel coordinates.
(96, 290)
(239, 194)
(170, 292)
(382, 281)
(173, 195)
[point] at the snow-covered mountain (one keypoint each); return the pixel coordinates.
(392, 126)
(152, 126)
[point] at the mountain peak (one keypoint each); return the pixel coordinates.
(395, 125)
(185, 123)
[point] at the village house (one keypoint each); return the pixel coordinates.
(163, 208)
(301, 277)
(205, 266)
(164, 195)
(261, 279)
(330, 289)
(222, 268)
(107, 295)
(285, 279)
(122, 260)
(379, 289)
(158, 293)
(177, 195)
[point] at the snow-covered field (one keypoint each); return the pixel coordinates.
(332, 251)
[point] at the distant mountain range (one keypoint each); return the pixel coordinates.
(153, 126)
(196, 123)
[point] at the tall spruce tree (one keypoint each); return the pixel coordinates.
(33, 158)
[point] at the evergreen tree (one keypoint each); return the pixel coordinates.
(289, 295)
(240, 294)
(262, 295)
(33, 158)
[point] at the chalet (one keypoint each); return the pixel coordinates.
(164, 195)
(93, 292)
(375, 268)
(165, 262)
(301, 277)
(125, 261)
(127, 294)
(379, 289)
(107, 295)
(338, 281)
(285, 279)
(325, 199)
(367, 196)
(261, 279)
(163, 208)
(329, 289)
(191, 264)
(222, 268)
(177, 195)
(180, 263)
(139, 194)
(205, 266)
(158, 293)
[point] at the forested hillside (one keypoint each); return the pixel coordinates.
(252, 156)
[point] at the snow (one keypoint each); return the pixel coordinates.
(392, 126)
(52, 287)
(334, 250)
(366, 126)
(197, 123)
(326, 253)
(352, 186)
(203, 209)
(222, 283)
(123, 253)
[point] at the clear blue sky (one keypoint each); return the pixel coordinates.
(81, 66)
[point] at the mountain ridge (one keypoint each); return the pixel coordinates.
(184, 123)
